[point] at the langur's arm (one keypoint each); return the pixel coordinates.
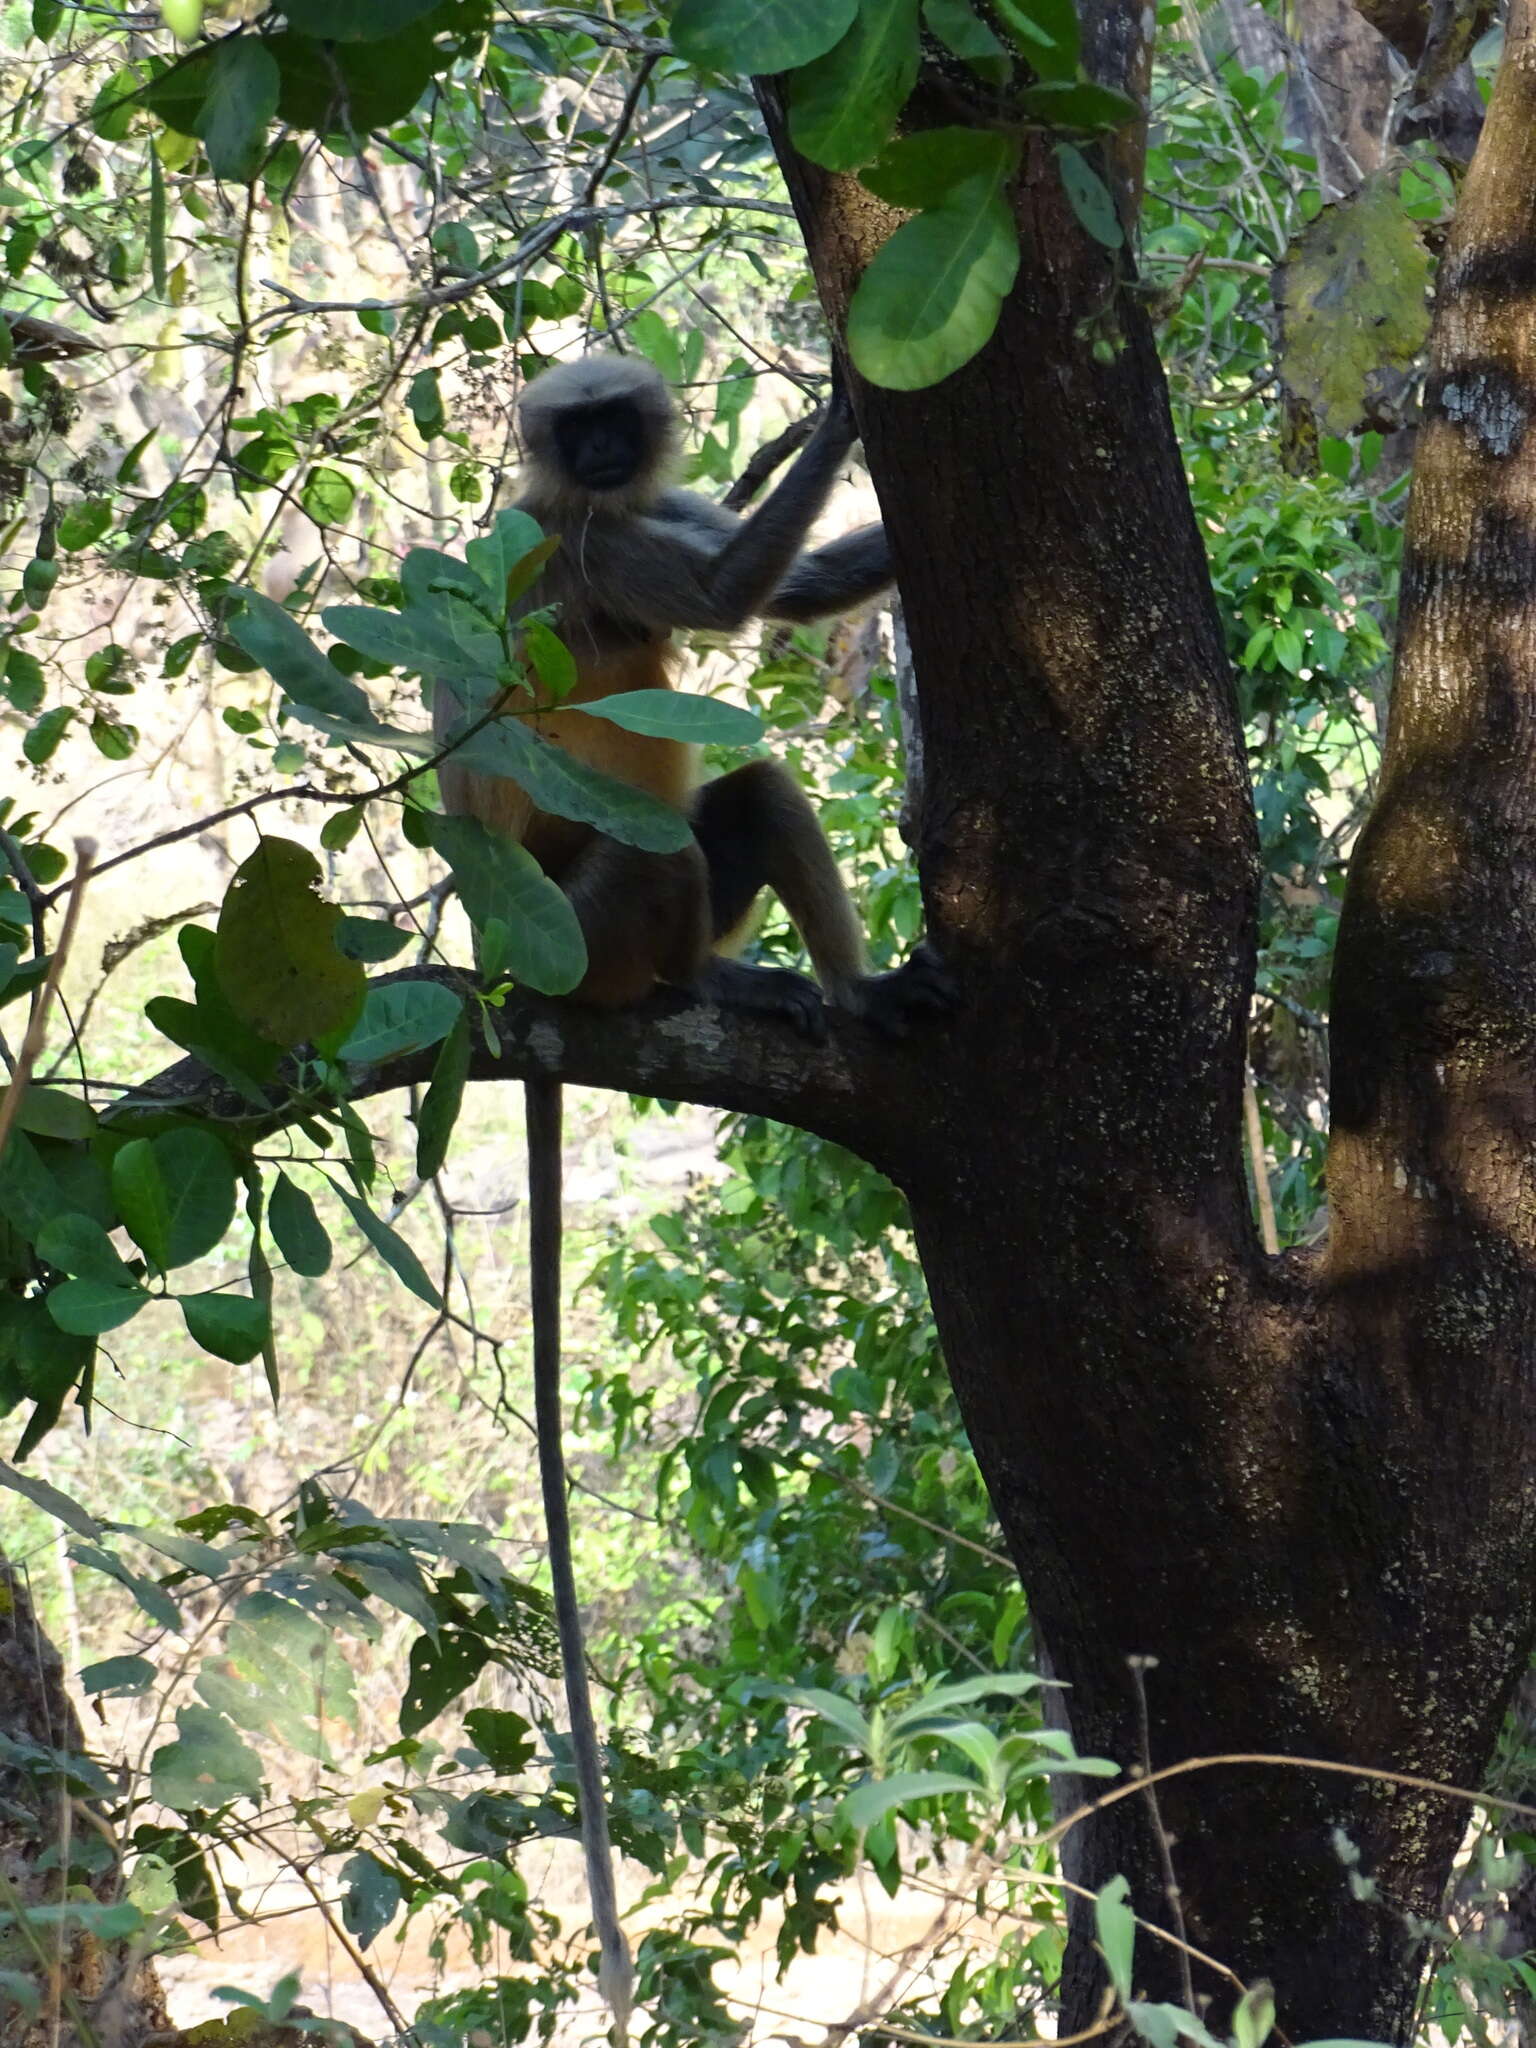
(833, 579)
(684, 567)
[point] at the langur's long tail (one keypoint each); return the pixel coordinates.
(616, 1971)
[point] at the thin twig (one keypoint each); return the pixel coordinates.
(1139, 1668)
(37, 1024)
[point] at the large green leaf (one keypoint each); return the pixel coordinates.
(500, 881)
(868, 1804)
(514, 536)
(926, 168)
(175, 1194)
(962, 31)
(352, 87)
(355, 21)
(77, 1244)
(240, 98)
(297, 1230)
(207, 1766)
(1354, 306)
(88, 1308)
(930, 299)
(269, 635)
(447, 639)
(843, 107)
(678, 715)
(560, 783)
(276, 957)
(370, 1897)
(744, 36)
(231, 1326)
(1046, 31)
(400, 1017)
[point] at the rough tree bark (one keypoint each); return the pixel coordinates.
(1300, 1484)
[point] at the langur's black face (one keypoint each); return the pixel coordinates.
(602, 447)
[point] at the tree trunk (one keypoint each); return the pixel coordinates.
(88, 1991)
(1300, 1485)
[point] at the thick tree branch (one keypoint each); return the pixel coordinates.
(851, 1089)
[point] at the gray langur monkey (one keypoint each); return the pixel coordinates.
(637, 561)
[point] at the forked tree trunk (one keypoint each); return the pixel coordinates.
(1304, 1485)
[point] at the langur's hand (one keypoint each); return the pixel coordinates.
(837, 420)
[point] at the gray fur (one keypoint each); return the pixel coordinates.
(646, 559)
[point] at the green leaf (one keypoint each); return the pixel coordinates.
(450, 640)
(560, 783)
(370, 939)
(1253, 2017)
(930, 299)
(176, 1194)
(352, 87)
(118, 1677)
(208, 1766)
(370, 1897)
(403, 1016)
(113, 739)
(1089, 196)
(501, 881)
(958, 28)
(77, 1244)
(439, 1672)
(1116, 1926)
(503, 1738)
(159, 277)
(390, 1246)
(88, 1308)
(1165, 2026)
(297, 1230)
(843, 106)
(425, 398)
(30, 1197)
(231, 1326)
(747, 36)
(327, 496)
(927, 168)
(44, 737)
(678, 715)
(355, 21)
(1046, 31)
(1076, 103)
(1353, 294)
(440, 1106)
(240, 98)
(425, 572)
(270, 636)
(512, 539)
(553, 661)
(53, 1113)
(868, 1804)
(84, 524)
(276, 957)
(833, 1707)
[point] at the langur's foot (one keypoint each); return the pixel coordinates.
(767, 991)
(890, 1003)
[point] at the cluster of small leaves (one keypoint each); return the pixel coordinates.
(931, 297)
(283, 1608)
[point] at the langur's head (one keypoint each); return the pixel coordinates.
(600, 432)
